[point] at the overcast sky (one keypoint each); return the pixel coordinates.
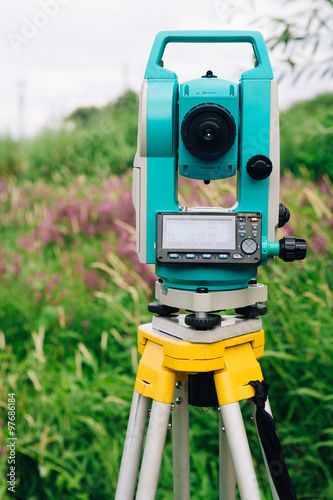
(61, 54)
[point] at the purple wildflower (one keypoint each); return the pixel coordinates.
(319, 243)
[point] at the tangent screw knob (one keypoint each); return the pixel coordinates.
(161, 309)
(284, 215)
(292, 248)
(259, 167)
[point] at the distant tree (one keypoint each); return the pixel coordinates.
(127, 103)
(124, 106)
(83, 116)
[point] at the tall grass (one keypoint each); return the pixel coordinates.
(73, 294)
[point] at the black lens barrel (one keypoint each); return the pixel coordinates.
(208, 131)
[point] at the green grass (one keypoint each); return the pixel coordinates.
(69, 314)
(73, 294)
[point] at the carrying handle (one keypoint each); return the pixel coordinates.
(262, 70)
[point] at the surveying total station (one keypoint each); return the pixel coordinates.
(206, 260)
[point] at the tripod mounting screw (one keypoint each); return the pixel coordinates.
(179, 385)
(179, 401)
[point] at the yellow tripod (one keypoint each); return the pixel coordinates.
(170, 351)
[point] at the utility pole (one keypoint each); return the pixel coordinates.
(21, 104)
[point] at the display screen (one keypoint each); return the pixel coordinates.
(202, 232)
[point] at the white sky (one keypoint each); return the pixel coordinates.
(70, 53)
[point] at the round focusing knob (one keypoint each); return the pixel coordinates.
(249, 246)
(292, 248)
(259, 167)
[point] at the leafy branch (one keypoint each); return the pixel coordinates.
(304, 38)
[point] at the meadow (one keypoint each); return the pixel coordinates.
(73, 294)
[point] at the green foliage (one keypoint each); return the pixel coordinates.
(307, 138)
(73, 294)
(84, 116)
(11, 162)
(95, 142)
(67, 338)
(71, 303)
(304, 33)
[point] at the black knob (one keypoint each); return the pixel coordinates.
(259, 167)
(161, 309)
(206, 323)
(292, 248)
(284, 215)
(253, 311)
(209, 74)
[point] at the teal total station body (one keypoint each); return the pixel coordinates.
(208, 129)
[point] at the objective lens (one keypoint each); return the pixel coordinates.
(208, 131)
(208, 134)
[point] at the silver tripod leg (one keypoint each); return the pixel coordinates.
(181, 444)
(227, 471)
(130, 461)
(154, 446)
(268, 409)
(240, 452)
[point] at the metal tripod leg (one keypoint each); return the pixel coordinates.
(240, 452)
(130, 461)
(227, 472)
(154, 446)
(181, 443)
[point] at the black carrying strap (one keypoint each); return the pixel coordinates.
(271, 444)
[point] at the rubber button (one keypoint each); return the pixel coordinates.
(190, 256)
(249, 246)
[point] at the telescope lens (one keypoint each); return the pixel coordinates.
(208, 134)
(208, 131)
